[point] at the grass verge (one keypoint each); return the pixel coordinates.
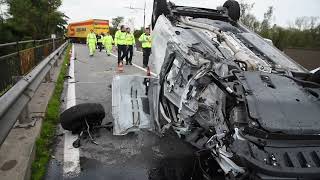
(49, 123)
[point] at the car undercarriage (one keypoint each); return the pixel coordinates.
(224, 89)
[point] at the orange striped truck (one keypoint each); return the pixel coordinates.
(78, 31)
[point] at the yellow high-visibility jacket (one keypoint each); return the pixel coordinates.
(120, 38)
(91, 38)
(145, 40)
(130, 39)
(107, 40)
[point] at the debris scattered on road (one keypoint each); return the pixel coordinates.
(76, 143)
(67, 77)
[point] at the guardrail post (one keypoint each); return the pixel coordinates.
(24, 117)
(48, 77)
(56, 57)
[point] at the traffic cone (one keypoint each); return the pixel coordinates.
(120, 67)
(148, 71)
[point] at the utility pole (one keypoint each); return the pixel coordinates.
(144, 12)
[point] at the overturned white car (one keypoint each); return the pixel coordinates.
(228, 92)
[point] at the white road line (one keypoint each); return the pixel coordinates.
(139, 67)
(71, 165)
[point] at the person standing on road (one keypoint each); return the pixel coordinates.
(100, 39)
(130, 42)
(145, 39)
(92, 42)
(107, 43)
(120, 42)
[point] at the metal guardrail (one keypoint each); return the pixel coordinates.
(19, 58)
(13, 102)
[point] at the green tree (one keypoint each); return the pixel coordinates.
(247, 18)
(5, 29)
(305, 33)
(34, 19)
(115, 23)
(266, 23)
(137, 33)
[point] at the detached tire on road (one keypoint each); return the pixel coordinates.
(233, 8)
(159, 7)
(73, 119)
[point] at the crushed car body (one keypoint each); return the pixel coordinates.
(229, 93)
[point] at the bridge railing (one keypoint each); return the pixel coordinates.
(19, 58)
(14, 103)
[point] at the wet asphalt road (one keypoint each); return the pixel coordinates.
(136, 156)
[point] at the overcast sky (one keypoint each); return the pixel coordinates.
(285, 11)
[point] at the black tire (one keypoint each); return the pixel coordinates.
(73, 119)
(233, 8)
(159, 7)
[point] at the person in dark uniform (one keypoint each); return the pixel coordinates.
(145, 40)
(130, 43)
(100, 39)
(120, 42)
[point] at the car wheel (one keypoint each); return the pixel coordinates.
(233, 8)
(159, 7)
(73, 119)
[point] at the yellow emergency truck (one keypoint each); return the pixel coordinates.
(78, 31)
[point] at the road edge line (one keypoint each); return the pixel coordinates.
(71, 155)
(42, 146)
